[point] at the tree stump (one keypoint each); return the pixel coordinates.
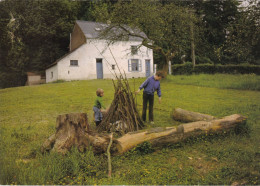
(70, 131)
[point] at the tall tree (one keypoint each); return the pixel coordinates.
(11, 49)
(243, 42)
(36, 33)
(166, 26)
(217, 16)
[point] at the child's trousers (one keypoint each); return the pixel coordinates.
(147, 98)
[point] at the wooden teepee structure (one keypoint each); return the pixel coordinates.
(122, 115)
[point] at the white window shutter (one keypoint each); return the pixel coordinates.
(129, 66)
(140, 65)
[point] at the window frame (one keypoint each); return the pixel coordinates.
(130, 65)
(72, 63)
(134, 50)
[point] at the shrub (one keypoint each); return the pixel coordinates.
(203, 60)
(59, 81)
(187, 68)
(12, 79)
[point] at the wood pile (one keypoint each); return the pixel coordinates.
(122, 116)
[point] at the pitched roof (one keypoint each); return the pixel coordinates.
(34, 73)
(92, 30)
(53, 64)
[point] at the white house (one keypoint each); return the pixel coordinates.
(90, 58)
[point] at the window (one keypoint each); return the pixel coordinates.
(74, 63)
(134, 65)
(113, 67)
(99, 60)
(133, 50)
(51, 75)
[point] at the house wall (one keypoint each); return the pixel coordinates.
(121, 51)
(87, 55)
(81, 72)
(35, 80)
(52, 74)
(77, 38)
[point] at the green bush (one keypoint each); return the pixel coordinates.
(12, 79)
(59, 81)
(203, 60)
(187, 69)
(144, 148)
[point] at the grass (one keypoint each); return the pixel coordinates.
(28, 117)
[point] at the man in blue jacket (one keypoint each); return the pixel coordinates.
(150, 85)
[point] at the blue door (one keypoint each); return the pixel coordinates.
(147, 68)
(99, 68)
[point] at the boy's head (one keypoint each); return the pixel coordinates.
(159, 75)
(100, 92)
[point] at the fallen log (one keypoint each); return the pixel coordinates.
(189, 116)
(170, 135)
(73, 130)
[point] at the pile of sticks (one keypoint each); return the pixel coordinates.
(123, 109)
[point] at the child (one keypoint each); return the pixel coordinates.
(150, 85)
(98, 105)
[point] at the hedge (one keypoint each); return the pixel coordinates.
(187, 68)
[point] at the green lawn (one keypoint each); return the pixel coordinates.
(28, 118)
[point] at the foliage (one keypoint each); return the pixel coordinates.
(217, 17)
(243, 41)
(230, 32)
(187, 68)
(203, 60)
(166, 26)
(141, 149)
(12, 79)
(28, 116)
(222, 81)
(35, 34)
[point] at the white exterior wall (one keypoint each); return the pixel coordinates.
(81, 72)
(51, 74)
(93, 49)
(122, 53)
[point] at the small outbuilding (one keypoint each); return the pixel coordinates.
(35, 78)
(90, 57)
